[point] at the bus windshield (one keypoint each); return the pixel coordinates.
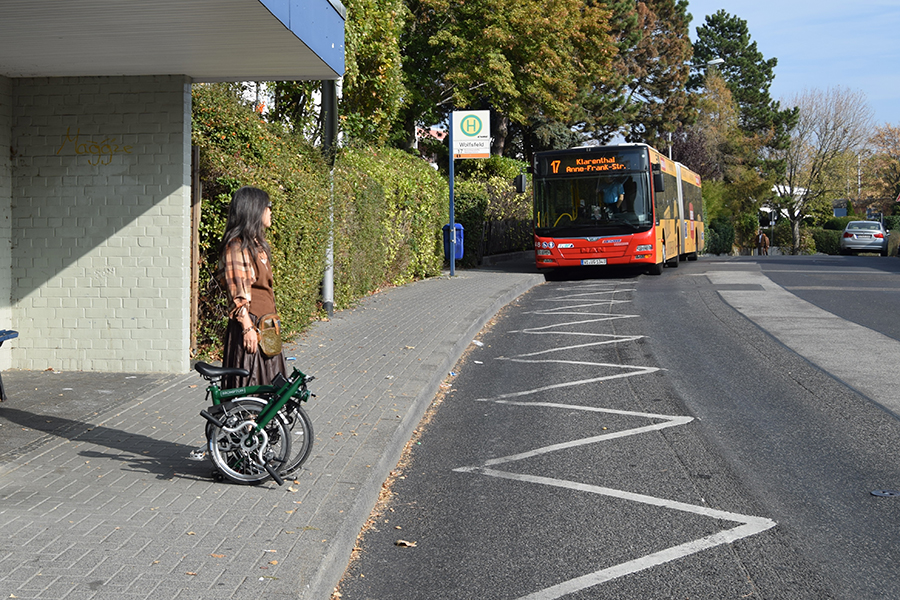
(608, 204)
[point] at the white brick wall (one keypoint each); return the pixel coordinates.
(101, 223)
(5, 216)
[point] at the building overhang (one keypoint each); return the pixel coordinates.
(207, 40)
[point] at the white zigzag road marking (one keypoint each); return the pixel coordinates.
(669, 421)
(556, 386)
(607, 318)
(562, 309)
(605, 289)
(619, 338)
(749, 525)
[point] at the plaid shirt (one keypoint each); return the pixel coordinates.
(237, 273)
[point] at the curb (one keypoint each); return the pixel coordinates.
(335, 559)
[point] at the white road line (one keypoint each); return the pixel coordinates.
(556, 386)
(619, 339)
(567, 298)
(668, 421)
(607, 318)
(550, 311)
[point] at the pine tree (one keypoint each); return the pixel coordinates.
(749, 76)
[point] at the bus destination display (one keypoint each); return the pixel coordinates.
(584, 165)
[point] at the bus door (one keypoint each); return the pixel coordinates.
(683, 233)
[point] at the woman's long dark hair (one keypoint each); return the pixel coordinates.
(245, 214)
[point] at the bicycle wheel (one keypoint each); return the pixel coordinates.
(301, 439)
(239, 452)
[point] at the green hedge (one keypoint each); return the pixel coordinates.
(388, 210)
(828, 241)
(719, 236)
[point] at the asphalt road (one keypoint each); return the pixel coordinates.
(625, 436)
(806, 444)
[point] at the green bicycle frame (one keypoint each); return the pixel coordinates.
(282, 394)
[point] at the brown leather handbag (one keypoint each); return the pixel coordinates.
(269, 327)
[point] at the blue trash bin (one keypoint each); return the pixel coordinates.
(459, 242)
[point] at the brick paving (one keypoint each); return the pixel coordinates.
(98, 499)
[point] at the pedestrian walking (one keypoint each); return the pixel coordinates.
(762, 244)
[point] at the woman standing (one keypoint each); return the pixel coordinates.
(245, 269)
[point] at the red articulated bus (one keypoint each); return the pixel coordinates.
(615, 205)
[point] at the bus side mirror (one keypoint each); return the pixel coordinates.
(521, 183)
(659, 184)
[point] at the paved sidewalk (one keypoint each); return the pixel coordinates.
(98, 500)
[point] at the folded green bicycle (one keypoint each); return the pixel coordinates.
(257, 432)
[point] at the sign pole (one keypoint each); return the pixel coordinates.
(474, 141)
(452, 211)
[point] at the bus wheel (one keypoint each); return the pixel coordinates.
(656, 269)
(673, 262)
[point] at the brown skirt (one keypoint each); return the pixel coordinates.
(262, 368)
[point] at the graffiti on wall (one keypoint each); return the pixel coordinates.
(100, 153)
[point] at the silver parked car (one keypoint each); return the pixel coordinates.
(864, 236)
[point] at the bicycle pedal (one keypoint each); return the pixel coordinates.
(198, 454)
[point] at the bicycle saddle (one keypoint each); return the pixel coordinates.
(211, 372)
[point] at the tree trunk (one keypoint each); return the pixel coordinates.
(499, 133)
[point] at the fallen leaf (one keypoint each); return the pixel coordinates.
(273, 562)
(405, 544)
(191, 533)
(190, 573)
(217, 555)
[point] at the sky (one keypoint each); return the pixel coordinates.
(823, 44)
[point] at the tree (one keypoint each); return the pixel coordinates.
(295, 105)
(705, 146)
(373, 90)
(724, 155)
(660, 69)
(645, 98)
(885, 144)
(749, 76)
(521, 59)
(830, 125)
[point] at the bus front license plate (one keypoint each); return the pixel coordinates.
(593, 261)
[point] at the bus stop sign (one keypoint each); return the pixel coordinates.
(472, 134)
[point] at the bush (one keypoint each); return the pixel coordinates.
(486, 205)
(389, 210)
(784, 238)
(719, 236)
(827, 241)
(838, 223)
(892, 222)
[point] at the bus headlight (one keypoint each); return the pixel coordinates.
(544, 253)
(644, 248)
